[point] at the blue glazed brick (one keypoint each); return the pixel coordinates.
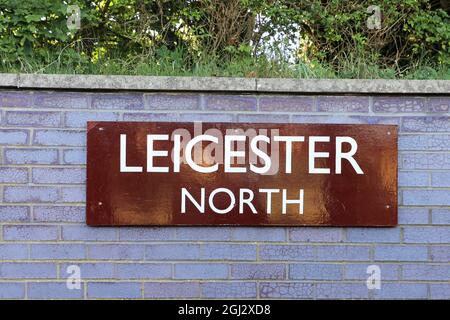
(341, 119)
(73, 194)
(36, 119)
(13, 137)
(413, 215)
(373, 235)
(81, 232)
(230, 103)
(401, 291)
(401, 253)
(413, 179)
(341, 290)
(58, 251)
(440, 179)
(440, 216)
(30, 232)
(326, 119)
(399, 104)
(174, 251)
(438, 104)
(287, 252)
(228, 252)
(53, 290)
(379, 120)
(287, 103)
(59, 138)
(167, 101)
(168, 117)
(90, 270)
(74, 156)
(315, 271)
(413, 142)
(426, 197)
(171, 290)
(9, 290)
(116, 252)
(228, 290)
(146, 234)
(359, 271)
(343, 104)
(258, 234)
(440, 253)
(316, 234)
(201, 271)
(31, 156)
(426, 272)
(421, 224)
(203, 233)
(426, 234)
(80, 119)
(426, 161)
(118, 101)
(15, 99)
(30, 194)
(13, 251)
(342, 253)
(59, 213)
(440, 291)
(263, 118)
(61, 100)
(59, 175)
(13, 175)
(27, 270)
(206, 117)
(14, 213)
(258, 271)
(112, 290)
(143, 271)
(286, 290)
(426, 124)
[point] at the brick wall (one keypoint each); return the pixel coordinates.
(42, 215)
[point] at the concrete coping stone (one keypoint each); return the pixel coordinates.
(222, 84)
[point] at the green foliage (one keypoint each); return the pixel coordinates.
(250, 38)
(35, 32)
(410, 31)
(429, 33)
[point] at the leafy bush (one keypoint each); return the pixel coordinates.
(410, 32)
(313, 38)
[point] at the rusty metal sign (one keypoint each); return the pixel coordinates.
(166, 173)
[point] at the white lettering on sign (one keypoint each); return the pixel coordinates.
(229, 154)
(190, 145)
(151, 152)
(246, 197)
(347, 155)
(313, 155)
(210, 152)
(289, 140)
(123, 156)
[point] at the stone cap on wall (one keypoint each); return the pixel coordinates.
(223, 84)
